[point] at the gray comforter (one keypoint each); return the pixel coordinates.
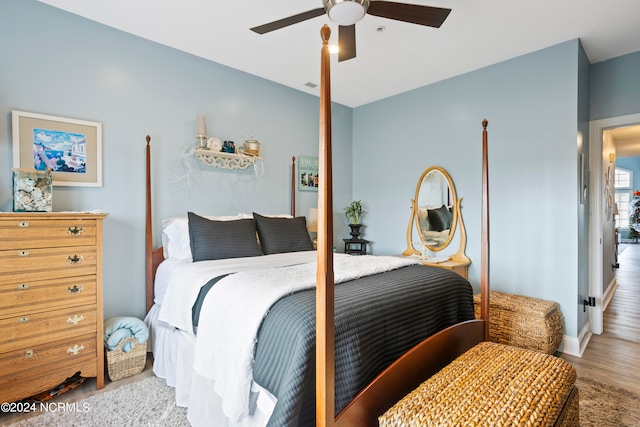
(378, 318)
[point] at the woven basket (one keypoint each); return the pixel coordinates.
(524, 322)
(122, 365)
(493, 385)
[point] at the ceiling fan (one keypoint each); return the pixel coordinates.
(346, 13)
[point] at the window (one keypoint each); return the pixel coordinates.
(623, 180)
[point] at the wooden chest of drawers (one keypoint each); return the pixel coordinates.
(51, 321)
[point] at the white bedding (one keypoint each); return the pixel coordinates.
(173, 352)
(186, 278)
(232, 313)
(174, 348)
(213, 358)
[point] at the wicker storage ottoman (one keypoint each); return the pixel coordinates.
(523, 322)
(493, 385)
(122, 365)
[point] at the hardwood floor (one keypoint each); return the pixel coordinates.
(614, 356)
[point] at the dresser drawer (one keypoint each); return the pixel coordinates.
(69, 356)
(30, 382)
(29, 233)
(30, 329)
(39, 295)
(39, 264)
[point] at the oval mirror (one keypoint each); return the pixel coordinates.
(436, 215)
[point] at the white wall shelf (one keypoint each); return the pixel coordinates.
(225, 160)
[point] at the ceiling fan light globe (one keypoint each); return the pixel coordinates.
(346, 12)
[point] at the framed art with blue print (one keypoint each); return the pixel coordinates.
(70, 148)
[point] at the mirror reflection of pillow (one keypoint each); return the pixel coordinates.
(440, 219)
(423, 220)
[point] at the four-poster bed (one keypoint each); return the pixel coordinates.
(420, 317)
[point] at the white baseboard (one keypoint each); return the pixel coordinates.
(575, 346)
(608, 293)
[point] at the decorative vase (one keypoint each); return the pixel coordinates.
(355, 230)
(252, 147)
(32, 190)
(228, 147)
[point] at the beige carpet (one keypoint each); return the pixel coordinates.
(150, 402)
(602, 405)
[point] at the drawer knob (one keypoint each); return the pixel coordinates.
(23, 286)
(24, 319)
(75, 319)
(75, 259)
(23, 253)
(23, 224)
(75, 231)
(29, 354)
(75, 289)
(76, 349)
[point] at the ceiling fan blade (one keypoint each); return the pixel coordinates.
(285, 22)
(346, 42)
(416, 14)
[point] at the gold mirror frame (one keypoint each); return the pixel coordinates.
(456, 220)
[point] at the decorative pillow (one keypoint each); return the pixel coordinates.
(278, 235)
(423, 219)
(175, 235)
(222, 239)
(440, 219)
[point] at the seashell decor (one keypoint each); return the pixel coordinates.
(32, 190)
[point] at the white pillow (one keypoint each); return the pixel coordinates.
(175, 235)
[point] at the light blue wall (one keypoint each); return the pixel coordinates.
(57, 63)
(531, 103)
(615, 87)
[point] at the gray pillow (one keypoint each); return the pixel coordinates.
(278, 235)
(440, 219)
(222, 239)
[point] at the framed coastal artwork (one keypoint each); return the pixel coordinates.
(71, 148)
(308, 179)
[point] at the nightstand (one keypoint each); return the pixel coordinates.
(460, 266)
(355, 246)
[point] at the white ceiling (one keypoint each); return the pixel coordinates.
(402, 57)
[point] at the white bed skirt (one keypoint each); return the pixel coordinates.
(173, 351)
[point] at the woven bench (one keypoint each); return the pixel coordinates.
(492, 385)
(523, 322)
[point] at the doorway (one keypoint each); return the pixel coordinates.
(600, 161)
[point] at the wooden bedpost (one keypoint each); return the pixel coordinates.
(148, 232)
(484, 253)
(325, 382)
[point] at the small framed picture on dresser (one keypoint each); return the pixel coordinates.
(71, 148)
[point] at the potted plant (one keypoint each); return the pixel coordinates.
(354, 213)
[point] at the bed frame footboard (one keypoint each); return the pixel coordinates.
(408, 372)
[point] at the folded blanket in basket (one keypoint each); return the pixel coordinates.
(117, 329)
